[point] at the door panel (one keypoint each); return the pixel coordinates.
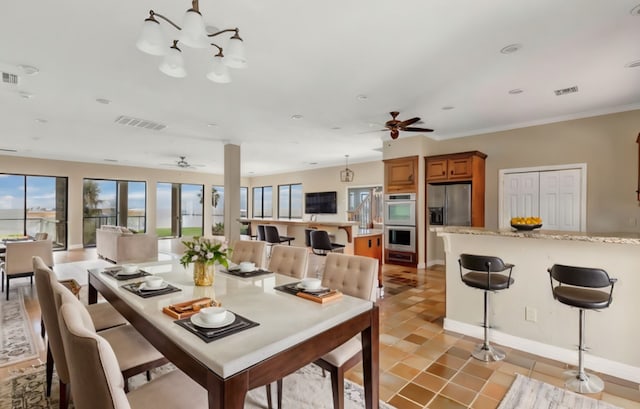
(521, 196)
(560, 204)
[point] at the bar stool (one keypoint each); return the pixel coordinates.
(484, 275)
(571, 291)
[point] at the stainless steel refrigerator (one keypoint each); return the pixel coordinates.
(449, 205)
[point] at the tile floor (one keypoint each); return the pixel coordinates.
(421, 365)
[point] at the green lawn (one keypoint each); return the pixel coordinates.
(186, 232)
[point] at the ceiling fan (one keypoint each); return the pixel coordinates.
(182, 163)
(395, 125)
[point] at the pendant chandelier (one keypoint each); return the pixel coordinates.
(192, 34)
(346, 175)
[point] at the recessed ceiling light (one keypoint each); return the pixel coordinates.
(511, 48)
(212, 124)
(25, 95)
(103, 101)
(8, 150)
(515, 91)
(636, 10)
(296, 117)
(313, 163)
(251, 172)
(633, 64)
(448, 108)
(362, 97)
(335, 128)
(29, 69)
(41, 121)
(110, 160)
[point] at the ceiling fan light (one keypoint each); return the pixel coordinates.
(173, 63)
(218, 72)
(234, 55)
(151, 40)
(193, 33)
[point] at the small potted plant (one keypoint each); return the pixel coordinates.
(204, 255)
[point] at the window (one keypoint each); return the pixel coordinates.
(113, 202)
(263, 201)
(217, 213)
(179, 210)
(290, 201)
(244, 200)
(34, 204)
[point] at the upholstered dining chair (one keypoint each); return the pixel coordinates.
(356, 276)
(103, 316)
(134, 354)
(250, 250)
(321, 244)
(289, 260)
(93, 364)
(18, 259)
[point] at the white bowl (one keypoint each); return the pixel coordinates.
(310, 283)
(153, 281)
(247, 266)
(129, 268)
(212, 315)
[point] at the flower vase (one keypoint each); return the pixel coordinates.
(203, 273)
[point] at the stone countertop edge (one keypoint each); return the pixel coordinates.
(614, 237)
(367, 232)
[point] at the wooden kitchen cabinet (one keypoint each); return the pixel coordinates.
(455, 167)
(401, 175)
(370, 246)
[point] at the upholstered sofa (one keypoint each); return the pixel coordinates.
(120, 245)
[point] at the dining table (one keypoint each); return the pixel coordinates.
(288, 331)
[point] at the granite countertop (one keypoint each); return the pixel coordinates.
(612, 237)
(367, 232)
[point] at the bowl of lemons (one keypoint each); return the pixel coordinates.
(526, 223)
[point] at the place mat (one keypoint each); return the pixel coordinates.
(246, 274)
(319, 297)
(115, 273)
(211, 334)
(135, 288)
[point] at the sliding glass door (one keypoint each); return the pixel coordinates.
(179, 210)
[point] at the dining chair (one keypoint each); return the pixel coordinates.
(41, 236)
(260, 233)
(307, 236)
(18, 259)
(321, 244)
(289, 260)
(249, 250)
(355, 276)
(93, 363)
(134, 353)
(272, 236)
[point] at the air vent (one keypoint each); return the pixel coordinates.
(9, 79)
(7, 150)
(139, 123)
(564, 91)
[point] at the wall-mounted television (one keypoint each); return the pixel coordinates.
(321, 203)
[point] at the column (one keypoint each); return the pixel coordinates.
(231, 192)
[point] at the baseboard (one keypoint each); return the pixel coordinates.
(594, 363)
(432, 263)
(75, 247)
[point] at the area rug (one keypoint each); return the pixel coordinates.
(306, 388)
(16, 335)
(527, 393)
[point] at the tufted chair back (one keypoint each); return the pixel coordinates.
(353, 275)
(249, 250)
(288, 260)
(19, 256)
(93, 366)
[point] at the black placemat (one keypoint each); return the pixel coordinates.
(292, 288)
(211, 334)
(116, 272)
(247, 274)
(135, 288)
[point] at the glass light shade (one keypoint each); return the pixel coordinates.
(173, 64)
(193, 33)
(218, 72)
(234, 56)
(151, 40)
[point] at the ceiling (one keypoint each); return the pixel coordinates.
(341, 65)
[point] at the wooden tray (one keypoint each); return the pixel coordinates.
(330, 296)
(189, 308)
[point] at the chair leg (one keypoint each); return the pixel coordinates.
(269, 400)
(486, 352)
(580, 381)
(279, 390)
(43, 330)
(337, 387)
(49, 369)
(126, 385)
(148, 376)
(65, 395)
(2, 280)
(7, 287)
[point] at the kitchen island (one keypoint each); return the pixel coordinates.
(526, 316)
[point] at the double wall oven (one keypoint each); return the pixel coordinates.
(400, 226)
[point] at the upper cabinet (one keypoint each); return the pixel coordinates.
(455, 167)
(401, 174)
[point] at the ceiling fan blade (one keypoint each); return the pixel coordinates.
(408, 122)
(413, 129)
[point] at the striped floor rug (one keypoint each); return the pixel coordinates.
(527, 393)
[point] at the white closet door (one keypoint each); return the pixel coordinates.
(521, 196)
(560, 195)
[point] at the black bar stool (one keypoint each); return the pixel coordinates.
(576, 288)
(484, 275)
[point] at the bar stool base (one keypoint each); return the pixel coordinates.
(583, 383)
(488, 353)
